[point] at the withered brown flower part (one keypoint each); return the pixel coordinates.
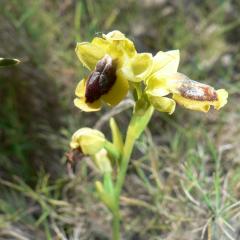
(73, 156)
(197, 91)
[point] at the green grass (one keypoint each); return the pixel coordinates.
(183, 179)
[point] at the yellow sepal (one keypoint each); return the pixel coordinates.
(166, 62)
(89, 54)
(117, 92)
(141, 66)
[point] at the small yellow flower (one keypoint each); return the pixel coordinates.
(165, 80)
(89, 141)
(186, 92)
(113, 61)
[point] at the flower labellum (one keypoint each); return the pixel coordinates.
(186, 92)
(101, 79)
(194, 90)
(196, 96)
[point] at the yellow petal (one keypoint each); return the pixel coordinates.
(157, 85)
(141, 66)
(81, 101)
(87, 107)
(110, 47)
(195, 105)
(202, 106)
(89, 54)
(118, 91)
(100, 42)
(194, 95)
(80, 89)
(120, 43)
(162, 104)
(166, 62)
(114, 35)
(222, 98)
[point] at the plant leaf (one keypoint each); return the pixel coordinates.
(6, 62)
(116, 135)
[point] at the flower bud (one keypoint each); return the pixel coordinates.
(90, 141)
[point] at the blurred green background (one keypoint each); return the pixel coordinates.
(184, 178)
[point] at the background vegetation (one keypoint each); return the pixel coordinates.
(184, 178)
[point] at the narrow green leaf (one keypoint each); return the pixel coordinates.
(108, 184)
(112, 150)
(105, 197)
(116, 135)
(6, 62)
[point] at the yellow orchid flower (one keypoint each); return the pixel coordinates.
(113, 61)
(186, 92)
(165, 80)
(89, 141)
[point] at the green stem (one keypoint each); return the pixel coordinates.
(127, 151)
(116, 226)
(137, 125)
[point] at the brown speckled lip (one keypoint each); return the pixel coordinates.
(101, 80)
(198, 92)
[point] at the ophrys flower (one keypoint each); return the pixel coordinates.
(165, 86)
(113, 62)
(186, 92)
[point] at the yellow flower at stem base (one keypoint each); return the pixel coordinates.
(113, 61)
(89, 141)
